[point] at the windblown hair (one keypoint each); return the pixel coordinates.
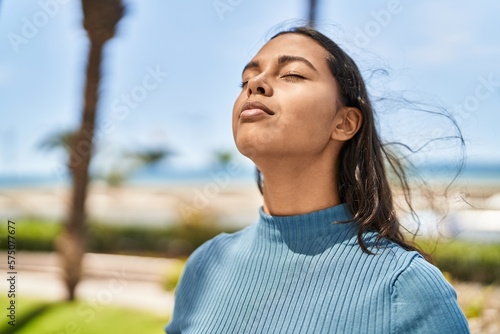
(362, 178)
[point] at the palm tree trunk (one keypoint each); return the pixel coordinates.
(313, 6)
(100, 20)
(71, 244)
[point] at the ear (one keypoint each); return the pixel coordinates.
(347, 122)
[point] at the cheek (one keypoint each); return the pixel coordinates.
(304, 135)
(235, 114)
(312, 116)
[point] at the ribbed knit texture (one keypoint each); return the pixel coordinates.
(307, 274)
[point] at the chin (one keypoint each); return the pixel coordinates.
(252, 149)
(247, 148)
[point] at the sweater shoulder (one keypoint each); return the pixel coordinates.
(419, 279)
(422, 301)
(213, 247)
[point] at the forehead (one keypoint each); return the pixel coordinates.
(293, 44)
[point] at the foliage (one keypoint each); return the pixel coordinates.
(59, 140)
(129, 162)
(115, 178)
(223, 158)
(35, 235)
(177, 239)
(475, 308)
(79, 317)
(173, 275)
(148, 157)
(466, 261)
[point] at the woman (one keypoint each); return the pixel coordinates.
(327, 254)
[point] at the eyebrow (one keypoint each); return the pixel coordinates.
(284, 59)
(289, 59)
(251, 65)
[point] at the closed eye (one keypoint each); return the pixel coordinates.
(292, 77)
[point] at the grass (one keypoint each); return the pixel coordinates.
(26, 309)
(34, 316)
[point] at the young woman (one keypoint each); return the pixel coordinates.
(327, 254)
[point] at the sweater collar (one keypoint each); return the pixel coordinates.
(309, 226)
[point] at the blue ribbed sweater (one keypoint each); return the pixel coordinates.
(307, 274)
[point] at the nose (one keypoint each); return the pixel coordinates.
(258, 86)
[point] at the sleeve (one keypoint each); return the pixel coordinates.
(185, 292)
(424, 302)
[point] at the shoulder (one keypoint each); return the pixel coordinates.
(418, 278)
(213, 248)
(422, 301)
(194, 278)
(201, 260)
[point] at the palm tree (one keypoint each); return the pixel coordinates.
(148, 157)
(59, 140)
(100, 18)
(137, 160)
(223, 158)
(313, 6)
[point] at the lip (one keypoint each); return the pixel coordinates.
(255, 109)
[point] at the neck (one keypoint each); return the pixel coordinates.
(293, 188)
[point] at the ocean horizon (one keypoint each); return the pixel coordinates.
(474, 174)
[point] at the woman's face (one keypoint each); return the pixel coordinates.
(288, 101)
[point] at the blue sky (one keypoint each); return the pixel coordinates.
(445, 53)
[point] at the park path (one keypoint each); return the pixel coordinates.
(130, 281)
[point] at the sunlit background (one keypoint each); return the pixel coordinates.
(448, 49)
(165, 159)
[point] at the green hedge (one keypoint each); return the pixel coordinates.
(466, 261)
(32, 234)
(173, 241)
